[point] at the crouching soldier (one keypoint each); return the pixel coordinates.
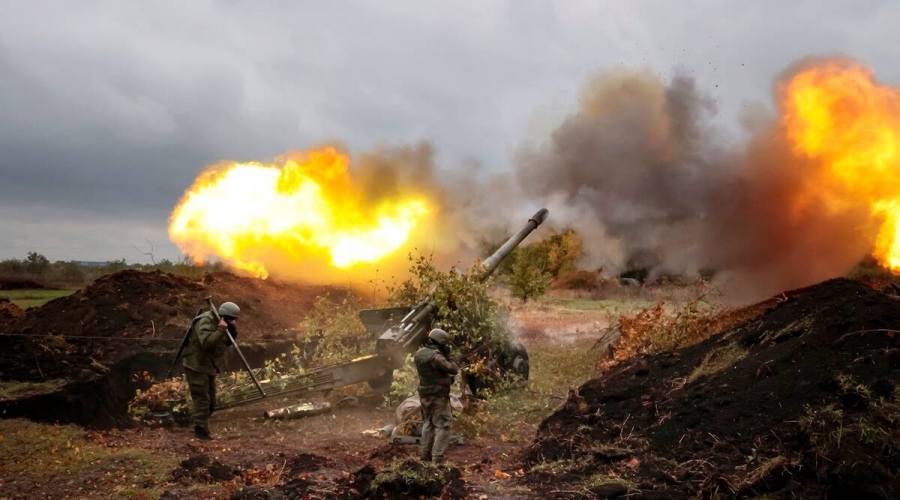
(206, 344)
(435, 378)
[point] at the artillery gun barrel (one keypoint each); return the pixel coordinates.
(490, 264)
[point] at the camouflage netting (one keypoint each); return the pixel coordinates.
(466, 310)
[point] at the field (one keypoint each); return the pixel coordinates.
(644, 395)
(32, 297)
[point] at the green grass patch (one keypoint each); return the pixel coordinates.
(719, 359)
(573, 303)
(33, 298)
(513, 413)
(608, 306)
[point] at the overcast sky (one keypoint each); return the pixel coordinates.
(109, 110)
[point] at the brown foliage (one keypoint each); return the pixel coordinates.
(654, 329)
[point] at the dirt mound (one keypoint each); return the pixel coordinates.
(121, 333)
(200, 468)
(801, 401)
(412, 478)
(9, 311)
(330, 483)
(156, 304)
(147, 310)
(886, 284)
(306, 462)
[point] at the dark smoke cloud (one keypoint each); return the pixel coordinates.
(639, 169)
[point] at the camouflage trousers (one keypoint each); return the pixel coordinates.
(436, 420)
(203, 397)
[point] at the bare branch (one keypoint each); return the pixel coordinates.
(149, 254)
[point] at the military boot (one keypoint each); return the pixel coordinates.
(202, 433)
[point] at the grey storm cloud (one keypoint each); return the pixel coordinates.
(109, 110)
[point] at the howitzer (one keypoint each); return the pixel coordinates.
(400, 330)
(410, 332)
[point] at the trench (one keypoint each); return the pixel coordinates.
(102, 403)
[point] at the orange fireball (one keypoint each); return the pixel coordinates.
(838, 116)
(305, 205)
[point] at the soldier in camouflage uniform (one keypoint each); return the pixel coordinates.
(435, 378)
(207, 343)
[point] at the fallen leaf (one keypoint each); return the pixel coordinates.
(499, 474)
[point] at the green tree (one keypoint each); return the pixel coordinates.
(12, 267)
(556, 254)
(560, 251)
(114, 266)
(36, 263)
(69, 272)
(529, 279)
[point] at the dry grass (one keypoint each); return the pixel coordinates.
(875, 425)
(718, 359)
(655, 329)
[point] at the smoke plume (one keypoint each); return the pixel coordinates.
(639, 170)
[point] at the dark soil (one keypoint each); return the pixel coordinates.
(809, 410)
(9, 311)
(201, 468)
(327, 485)
(313, 476)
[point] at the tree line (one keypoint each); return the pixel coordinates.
(37, 269)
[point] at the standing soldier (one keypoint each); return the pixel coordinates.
(435, 378)
(207, 343)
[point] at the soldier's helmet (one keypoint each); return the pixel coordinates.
(229, 309)
(440, 337)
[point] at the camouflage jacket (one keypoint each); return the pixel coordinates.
(206, 344)
(435, 372)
